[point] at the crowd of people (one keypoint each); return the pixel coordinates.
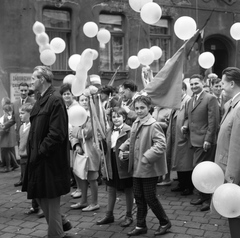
(142, 144)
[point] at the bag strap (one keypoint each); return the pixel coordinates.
(84, 143)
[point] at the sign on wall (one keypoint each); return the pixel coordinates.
(15, 80)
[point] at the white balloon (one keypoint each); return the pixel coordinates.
(93, 89)
(73, 61)
(133, 62)
(42, 39)
(206, 60)
(157, 51)
(90, 29)
(145, 56)
(58, 45)
(77, 115)
(87, 58)
(235, 31)
(44, 47)
(77, 86)
(103, 36)
(136, 5)
(185, 27)
(38, 28)
(151, 13)
(69, 78)
(48, 57)
(95, 54)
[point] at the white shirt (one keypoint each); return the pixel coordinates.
(114, 136)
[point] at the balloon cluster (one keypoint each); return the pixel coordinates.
(47, 50)
(90, 29)
(208, 177)
(145, 57)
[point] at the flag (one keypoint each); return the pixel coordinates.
(165, 88)
(111, 82)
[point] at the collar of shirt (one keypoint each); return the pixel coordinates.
(198, 95)
(235, 96)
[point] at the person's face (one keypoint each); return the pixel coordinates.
(23, 91)
(67, 97)
(83, 101)
(217, 89)
(227, 87)
(117, 119)
(126, 94)
(24, 116)
(196, 85)
(141, 109)
(36, 82)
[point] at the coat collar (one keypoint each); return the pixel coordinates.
(148, 120)
(199, 100)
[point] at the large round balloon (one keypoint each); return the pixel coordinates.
(95, 54)
(145, 56)
(136, 5)
(69, 78)
(226, 200)
(133, 62)
(78, 84)
(157, 51)
(151, 13)
(185, 27)
(90, 29)
(206, 60)
(42, 39)
(87, 58)
(77, 115)
(235, 31)
(48, 57)
(103, 36)
(38, 28)
(73, 61)
(57, 45)
(207, 176)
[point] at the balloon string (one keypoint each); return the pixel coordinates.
(139, 28)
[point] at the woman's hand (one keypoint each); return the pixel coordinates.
(79, 150)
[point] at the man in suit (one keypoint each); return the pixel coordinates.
(202, 122)
(228, 144)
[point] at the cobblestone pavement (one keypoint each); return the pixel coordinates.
(187, 220)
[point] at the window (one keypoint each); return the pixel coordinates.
(112, 53)
(57, 23)
(160, 36)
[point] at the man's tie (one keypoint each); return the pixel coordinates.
(194, 100)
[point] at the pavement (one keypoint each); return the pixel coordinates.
(187, 220)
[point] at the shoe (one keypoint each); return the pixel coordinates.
(6, 170)
(91, 208)
(105, 220)
(177, 189)
(19, 183)
(78, 206)
(67, 226)
(165, 183)
(138, 231)
(205, 207)
(15, 167)
(163, 229)
(127, 222)
(31, 211)
(77, 194)
(40, 213)
(199, 201)
(186, 192)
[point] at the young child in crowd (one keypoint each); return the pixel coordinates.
(119, 177)
(147, 161)
(24, 114)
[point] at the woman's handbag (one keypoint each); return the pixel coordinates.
(80, 165)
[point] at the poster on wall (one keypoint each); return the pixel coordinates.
(15, 80)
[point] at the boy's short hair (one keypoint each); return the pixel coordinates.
(119, 111)
(27, 107)
(144, 99)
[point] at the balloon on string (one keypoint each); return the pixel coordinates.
(58, 45)
(44, 47)
(206, 60)
(90, 29)
(157, 51)
(48, 57)
(235, 31)
(42, 39)
(87, 58)
(95, 54)
(136, 5)
(103, 36)
(38, 28)
(93, 89)
(78, 86)
(185, 27)
(207, 176)
(226, 200)
(151, 13)
(69, 78)
(77, 115)
(73, 61)
(133, 62)
(145, 56)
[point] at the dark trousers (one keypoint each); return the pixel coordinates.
(234, 224)
(185, 180)
(23, 163)
(9, 157)
(144, 190)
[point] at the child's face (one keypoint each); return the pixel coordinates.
(141, 109)
(117, 119)
(24, 116)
